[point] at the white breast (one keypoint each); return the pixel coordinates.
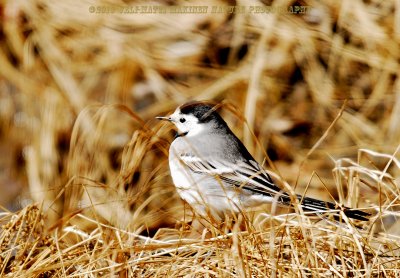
(203, 193)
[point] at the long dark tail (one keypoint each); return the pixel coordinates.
(319, 207)
(311, 204)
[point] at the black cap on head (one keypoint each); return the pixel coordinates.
(204, 111)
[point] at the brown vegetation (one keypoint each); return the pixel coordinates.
(85, 185)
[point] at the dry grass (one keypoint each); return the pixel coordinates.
(85, 185)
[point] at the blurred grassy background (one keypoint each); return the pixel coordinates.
(81, 83)
(287, 74)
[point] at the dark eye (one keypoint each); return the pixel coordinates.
(182, 120)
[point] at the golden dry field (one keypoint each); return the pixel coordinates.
(312, 88)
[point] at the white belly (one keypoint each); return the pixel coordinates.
(205, 194)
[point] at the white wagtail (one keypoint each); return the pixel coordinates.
(215, 174)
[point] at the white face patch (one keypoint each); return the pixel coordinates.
(185, 123)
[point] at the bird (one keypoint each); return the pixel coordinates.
(216, 175)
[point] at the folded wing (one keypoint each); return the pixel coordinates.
(249, 176)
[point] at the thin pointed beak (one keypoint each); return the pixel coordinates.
(164, 118)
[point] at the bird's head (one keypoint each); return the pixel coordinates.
(195, 117)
